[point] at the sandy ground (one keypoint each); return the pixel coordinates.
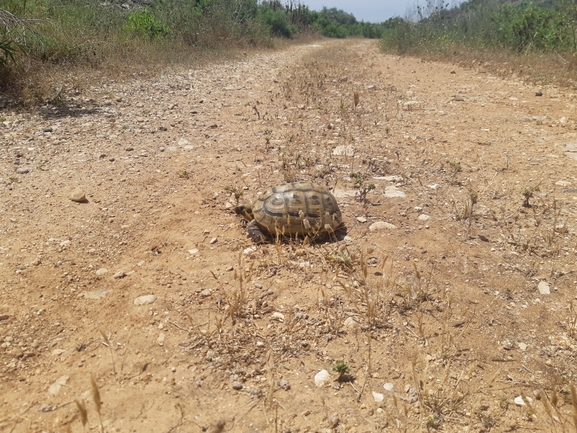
(450, 298)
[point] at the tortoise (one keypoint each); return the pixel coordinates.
(296, 209)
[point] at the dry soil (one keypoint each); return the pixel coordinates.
(451, 300)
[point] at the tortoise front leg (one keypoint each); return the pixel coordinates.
(255, 233)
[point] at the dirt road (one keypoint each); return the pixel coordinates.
(451, 295)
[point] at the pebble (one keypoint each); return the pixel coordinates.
(97, 294)
(59, 383)
(522, 346)
(381, 225)
(205, 293)
(58, 352)
(146, 299)
(361, 219)
(388, 386)
(213, 240)
(284, 384)
(544, 288)
(424, 217)
(22, 170)
(119, 274)
(562, 183)
(322, 378)
(183, 142)
(343, 150)
(237, 386)
(278, 316)
(350, 323)
(393, 192)
(101, 271)
(193, 251)
(519, 400)
(78, 196)
(378, 397)
(161, 338)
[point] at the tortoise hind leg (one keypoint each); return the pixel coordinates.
(255, 233)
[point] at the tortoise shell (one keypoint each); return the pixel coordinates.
(298, 209)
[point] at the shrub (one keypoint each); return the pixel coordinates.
(144, 23)
(277, 21)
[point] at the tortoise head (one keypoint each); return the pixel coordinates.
(245, 211)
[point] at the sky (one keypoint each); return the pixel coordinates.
(374, 11)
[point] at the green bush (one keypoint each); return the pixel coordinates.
(7, 50)
(278, 22)
(144, 23)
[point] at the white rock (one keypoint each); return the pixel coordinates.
(161, 337)
(78, 196)
(58, 352)
(519, 400)
(343, 150)
(146, 299)
(322, 378)
(361, 219)
(183, 142)
(423, 217)
(101, 271)
(378, 397)
(544, 288)
(351, 323)
(119, 274)
(193, 251)
(562, 183)
(393, 192)
(381, 225)
(389, 178)
(97, 294)
(22, 170)
(388, 386)
(59, 383)
(278, 316)
(522, 346)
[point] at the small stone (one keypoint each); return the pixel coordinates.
(393, 192)
(519, 400)
(381, 225)
(388, 386)
(119, 274)
(57, 352)
(193, 251)
(78, 196)
(183, 142)
(101, 271)
(97, 294)
(283, 384)
(423, 217)
(522, 346)
(146, 299)
(343, 150)
(562, 183)
(544, 288)
(205, 293)
(361, 219)
(59, 383)
(378, 397)
(278, 316)
(161, 337)
(350, 323)
(213, 240)
(237, 385)
(322, 378)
